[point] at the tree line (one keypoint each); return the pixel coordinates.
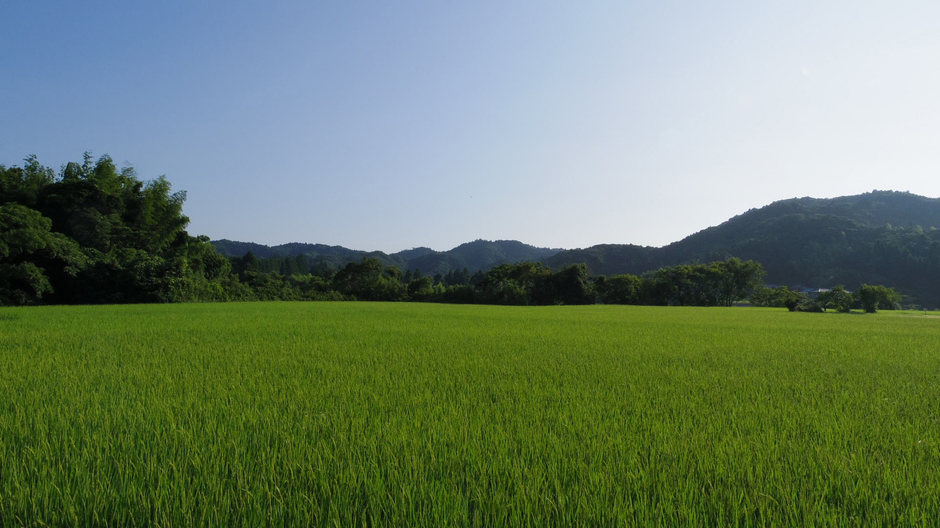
(720, 283)
(92, 234)
(522, 283)
(869, 298)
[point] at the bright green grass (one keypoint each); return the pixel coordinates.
(427, 415)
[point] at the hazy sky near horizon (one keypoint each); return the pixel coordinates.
(391, 125)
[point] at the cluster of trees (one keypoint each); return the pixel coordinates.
(720, 283)
(524, 283)
(96, 234)
(868, 298)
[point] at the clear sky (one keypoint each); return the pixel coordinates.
(391, 125)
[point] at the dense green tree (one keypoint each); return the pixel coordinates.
(619, 289)
(22, 185)
(457, 277)
(836, 299)
(195, 271)
(684, 285)
(425, 289)
(28, 250)
(569, 285)
(515, 284)
(369, 280)
(301, 265)
(778, 297)
(719, 283)
(270, 286)
(460, 294)
(874, 297)
(246, 263)
(736, 279)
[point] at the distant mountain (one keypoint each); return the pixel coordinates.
(479, 255)
(882, 237)
(335, 256)
(231, 248)
(474, 256)
(611, 259)
(411, 254)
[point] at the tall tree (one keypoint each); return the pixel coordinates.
(837, 298)
(874, 297)
(737, 279)
(369, 280)
(619, 289)
(22, 185)
(570, 285)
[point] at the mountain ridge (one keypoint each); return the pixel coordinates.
(881, 237)
(478, 255)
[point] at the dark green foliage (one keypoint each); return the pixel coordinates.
(571, 285)
(519, 284)
(454, 277)
(516, 284)
(424, 289)
(460, 294)
(779, 297)
(22, 185)
(613, 259)
(619, 289)
(717, 284)
(29, 250)
(836, 299)
(736, 279)
(533, 283)
(97, 234)
(686, 285)
(874, 297)
(369, 280)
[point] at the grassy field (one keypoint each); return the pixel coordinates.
(377, 414)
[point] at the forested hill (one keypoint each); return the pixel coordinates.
(333, 256)
(479, 255)
(882, 237)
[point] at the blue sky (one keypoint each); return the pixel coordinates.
(391, 125)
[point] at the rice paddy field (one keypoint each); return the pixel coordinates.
(372, 414)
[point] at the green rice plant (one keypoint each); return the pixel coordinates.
(372, 414)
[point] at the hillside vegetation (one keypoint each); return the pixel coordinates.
(882, 237)
(96, 234)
